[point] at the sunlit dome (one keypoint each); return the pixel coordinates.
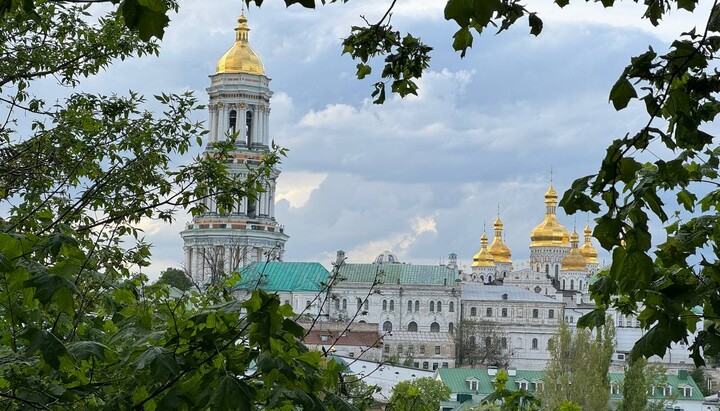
(550, 233)
(499, 250)
(587, 249)
(386, 257)
(241, 58)
(483, 258)
(574, 261)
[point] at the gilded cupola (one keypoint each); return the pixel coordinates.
(550, 233)
(574, 261)
(498, 249)
(240, 58)
(587, 249)
(483, 258)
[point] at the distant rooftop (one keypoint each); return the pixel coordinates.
(484, 292)
(400, 274)
(283, 276)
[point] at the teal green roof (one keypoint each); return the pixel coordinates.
(673, 380)
(281, 276)
(457, 380)
(401, 274)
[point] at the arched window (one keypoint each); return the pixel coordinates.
(417, 305)
(387, 326)
(409, 305)
(572, 284)
(366, 306)
(547, 269)
(452, 307)
(534, 344)
(488, 342)
(451, 328)
(503, 342)
(557, 270)
(248, 127)
(344, 304)
(490, 279)
(434, 327)
(572, 319)
(439, 306)
(519, 343)
(432, 306)
(392, 305)
(337, 305)
(384, 305)
(504, 312)
(359, 302)
(536, 313)
(488, 312)
(563, 284)
(232, 123)
(473, 312)
(551, 313)
(412, 326)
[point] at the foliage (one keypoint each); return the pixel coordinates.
(357, 392)
(75, 182)
(634, 389)
(481, 343)
(578, 369)
(421, 394)
(175, 277)
(509, 400)
(698, 375)
(656, 379)
(568, 406)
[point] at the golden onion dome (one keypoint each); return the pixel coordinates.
(240, 58)
(550, 233)
(574, 261)
(498, 249)
(483, 258)
(587, 249)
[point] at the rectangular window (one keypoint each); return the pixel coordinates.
(551, 314)
(437, 349)
(444, 365)
(422, 349)
(410, 349)
(687, 391)
(473, 385)
(387, 348)
(416, 365)
(426, 365)
(435, 366)
(399, 349)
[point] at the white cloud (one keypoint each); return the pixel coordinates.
(296, 187)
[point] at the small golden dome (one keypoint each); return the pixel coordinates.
(587, 249)
(240, 58)
(483, 258)
(574, 261)
(550, 233)
(498, 249)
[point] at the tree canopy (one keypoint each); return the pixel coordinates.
(175, 277)
(421, 394)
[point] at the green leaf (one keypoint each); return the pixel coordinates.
(145, 17)
(536, 24)
(83, 350)
(47, 343)
(687, 199)
(621, 93)
(593, 319)
(462, 39)
(161, 362)
(53, 288)
(607, 231)
(231, 394)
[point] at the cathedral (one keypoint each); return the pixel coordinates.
(220, 241)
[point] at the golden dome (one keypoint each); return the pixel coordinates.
(498, 249)
(550, 233)
(587, 249)
(240, 58)
(483, 258)
(574, 261)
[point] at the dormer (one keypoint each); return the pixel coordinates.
(473, 383)
(523, 384)
(686, 390)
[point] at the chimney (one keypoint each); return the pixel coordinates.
(340, 258)
(452, 263)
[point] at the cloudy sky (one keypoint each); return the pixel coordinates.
(420, 176)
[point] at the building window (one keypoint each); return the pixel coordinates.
(432, 306)
(387, 326)
(386, 348)
(488, 312)
(435, 327)
(504, 312)
(547, 269)
(435, 366)
(409, 305)
(437, 350)
(416, 364)
(248, 126)
(392, 305)
(687, 391)
(614, 389)
(488, 342)
(439, 306)
(452, 307)
(536, 313)
(472, 341)
(523, 385)
(572, 284)
(504, 296)
(503, 342)
(399, 349)
(445, 365)
(422, 349)
(232, 124)
(412, 326)
(384, 305)
(417, 305)
(557, 269)
(367, 306)
(410, 350)
(451, 328)
(551, 314)
(426, 365)
(473, 385)
(667, 391)
(351, 354)
(359, 304)
(534, 344)
(473, 312)
(344, 305)
(308, 303)
(337, 305)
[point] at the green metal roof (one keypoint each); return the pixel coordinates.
(400, 274)
(457, 380)
(283, 276)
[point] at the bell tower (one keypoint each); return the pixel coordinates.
(218, 242)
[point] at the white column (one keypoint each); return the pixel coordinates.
(222, 122)
(272, 199)
(267, 127)
(213, 123)
(188, 259)
(255, 127)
